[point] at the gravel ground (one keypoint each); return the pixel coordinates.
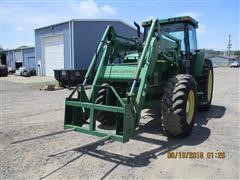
(32, 80)
(27, 112)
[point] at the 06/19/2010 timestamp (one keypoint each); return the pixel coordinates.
(196, 155)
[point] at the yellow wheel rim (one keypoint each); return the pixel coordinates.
(190, 106)
(210, 85)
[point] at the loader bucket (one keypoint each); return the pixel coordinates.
(80, 114)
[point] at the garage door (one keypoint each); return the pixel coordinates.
(31, 62)
(18, 56)
(53, 51)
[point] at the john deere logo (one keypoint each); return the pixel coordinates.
(122, 71)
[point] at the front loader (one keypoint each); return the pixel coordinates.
(164, 70)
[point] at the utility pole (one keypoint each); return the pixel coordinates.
(229, 45)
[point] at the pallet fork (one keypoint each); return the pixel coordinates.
(101, 140)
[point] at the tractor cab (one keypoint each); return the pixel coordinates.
(182, 28)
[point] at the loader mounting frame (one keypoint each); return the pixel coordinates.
(77, 107)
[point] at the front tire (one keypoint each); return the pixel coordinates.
(179, 106)
(104, 117)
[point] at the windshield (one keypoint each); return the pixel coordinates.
(174, 29)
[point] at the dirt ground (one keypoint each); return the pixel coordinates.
(27, 112)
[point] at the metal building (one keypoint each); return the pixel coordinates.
(223, 60)
(21, 57)
(71, 44)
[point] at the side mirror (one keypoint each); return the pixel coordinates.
(138, 29)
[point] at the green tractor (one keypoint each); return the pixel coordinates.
(165, 70)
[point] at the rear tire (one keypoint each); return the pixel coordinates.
(179, 106)
(205, 83)
(104, 117)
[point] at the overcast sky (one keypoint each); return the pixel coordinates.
(217, 19)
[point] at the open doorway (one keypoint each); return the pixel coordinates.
(18, 65)
(3, 59)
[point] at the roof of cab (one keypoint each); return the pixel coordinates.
(174, 19)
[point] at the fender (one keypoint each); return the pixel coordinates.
(197, 63)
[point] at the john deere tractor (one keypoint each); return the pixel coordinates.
(163, 70)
